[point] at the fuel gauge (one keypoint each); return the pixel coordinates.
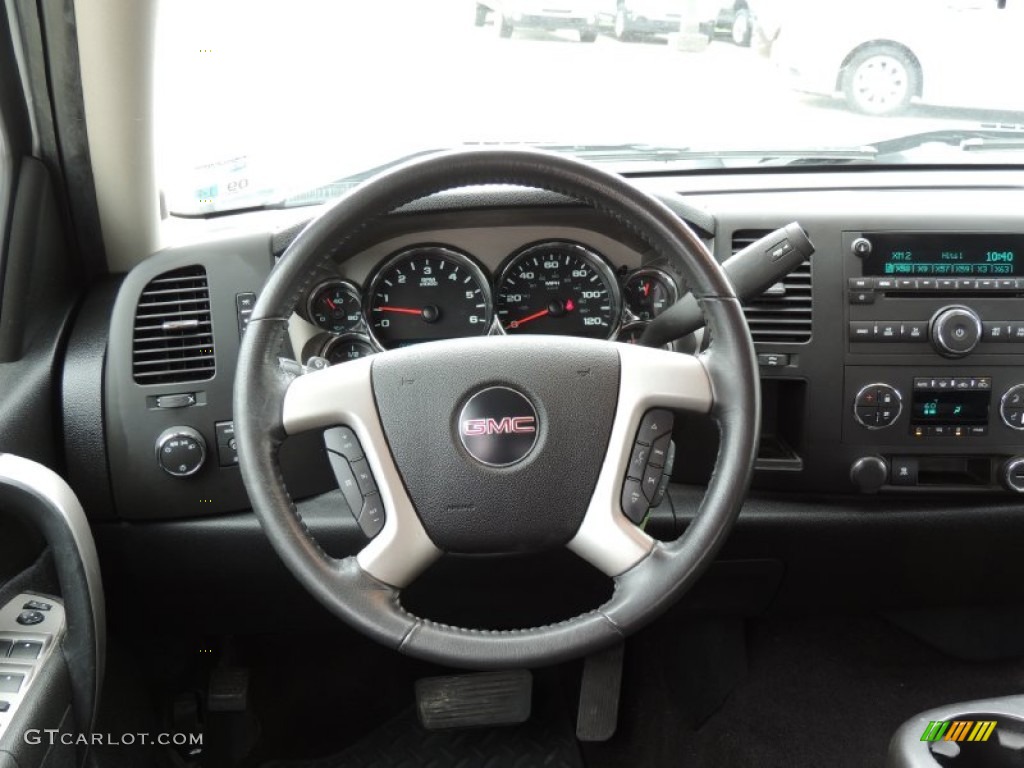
(649, 292)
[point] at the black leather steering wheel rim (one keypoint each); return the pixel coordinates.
(644, 590)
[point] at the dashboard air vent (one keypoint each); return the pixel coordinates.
(173, 338)
(783, 312)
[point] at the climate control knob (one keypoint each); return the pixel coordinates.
(955, 331)
(877, 406)
(180, 451)
(1012, 474)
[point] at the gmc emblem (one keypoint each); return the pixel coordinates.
(509, 425)
(498, 426)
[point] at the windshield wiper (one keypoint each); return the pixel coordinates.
(984, 137)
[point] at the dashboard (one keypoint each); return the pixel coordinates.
(438, 285)
(891, 363)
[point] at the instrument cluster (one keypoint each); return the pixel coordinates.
(430, 292)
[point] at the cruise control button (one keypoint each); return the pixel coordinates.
(655, 423)
(371, 518)
(666, 476)
(364, 477)
(344, 441)
(11, 683)
(634, 502)
(26, 650)
(346, 482)
(638, 461)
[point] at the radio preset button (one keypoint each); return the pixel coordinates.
(966, 284)
(946, 284)
(862, 283)
(906, 284)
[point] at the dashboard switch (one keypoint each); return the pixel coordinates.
(30, 618)
(11, 683)
(26, 650)
(903, 470)
(180, 451)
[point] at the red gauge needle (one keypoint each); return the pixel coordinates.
(528, 318)
(402, 310)
(330, 303)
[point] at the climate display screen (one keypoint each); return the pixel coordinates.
(950, 408)
(943, 255)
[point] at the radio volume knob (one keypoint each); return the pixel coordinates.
(861, 247)
(955, 331)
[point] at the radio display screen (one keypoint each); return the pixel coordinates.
(944, 255)
(950, 407)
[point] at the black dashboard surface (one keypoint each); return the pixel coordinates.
(812, 369)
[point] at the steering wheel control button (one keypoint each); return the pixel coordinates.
(634, 502)
(666, 475)
(26, 650)
(371, 518)
(11, 683)
(180, 451)
(877, 406)
(651, 481)
(659, 451)
(364, 478)
(956, 331)
(498, 426)
(36, 605)
(655, 423)
(638, 461)
(30, 618)
(343, 440)
(346, 482)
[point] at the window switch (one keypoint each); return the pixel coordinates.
(11, 683)
(4, 706)
(5, 648)
(36, 605)
(26, 650)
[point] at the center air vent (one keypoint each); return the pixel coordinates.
(783, 312)
(173, 339)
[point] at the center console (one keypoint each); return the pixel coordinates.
(934, 360)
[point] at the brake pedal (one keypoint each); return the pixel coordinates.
(470, 701)
(598, 715)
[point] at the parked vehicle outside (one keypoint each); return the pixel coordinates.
(632, 18)
(729, 19)
(881, 61)
(508, 15)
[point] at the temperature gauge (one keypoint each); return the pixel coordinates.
(649, 292)
(335, 306)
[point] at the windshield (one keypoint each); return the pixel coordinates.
(274, 103)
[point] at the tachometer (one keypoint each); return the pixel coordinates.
(561, 288)
(427, 293)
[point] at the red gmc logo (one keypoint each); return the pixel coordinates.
(509, 425)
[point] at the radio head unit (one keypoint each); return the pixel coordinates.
(907, 254)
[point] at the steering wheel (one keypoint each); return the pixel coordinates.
(442, 492)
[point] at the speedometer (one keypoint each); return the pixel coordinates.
(559, 287)
(427, 293)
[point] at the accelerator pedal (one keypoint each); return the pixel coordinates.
(474, 700)
(598, 714)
